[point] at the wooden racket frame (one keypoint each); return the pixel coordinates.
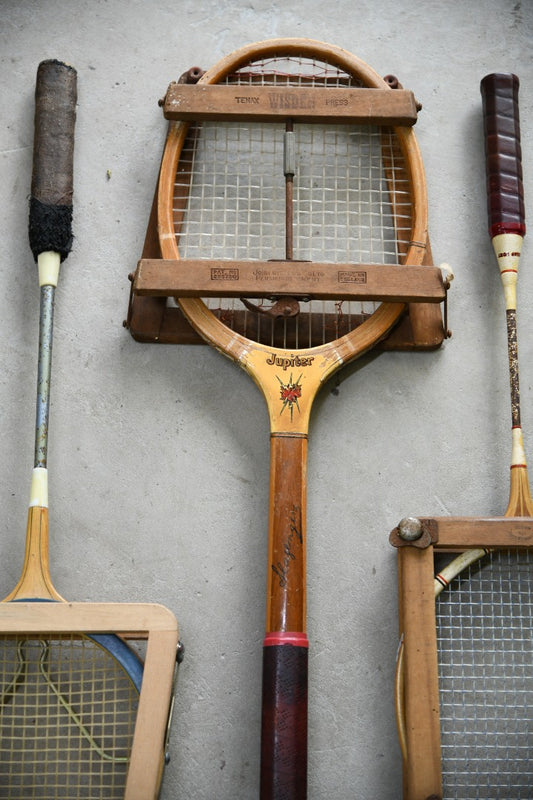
(147, 621)
(417, 689)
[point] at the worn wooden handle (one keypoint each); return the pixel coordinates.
(50, 225)
(505, 193)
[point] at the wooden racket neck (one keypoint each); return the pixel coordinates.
(35, 581)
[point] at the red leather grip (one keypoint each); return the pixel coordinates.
(505, 192)
(284, 725)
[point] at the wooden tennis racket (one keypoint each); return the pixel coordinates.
(300, 192)
(71, 691)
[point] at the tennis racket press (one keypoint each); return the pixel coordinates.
(292, 227)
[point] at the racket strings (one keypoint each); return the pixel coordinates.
(484, 625)
(351, 203)
(67, 718)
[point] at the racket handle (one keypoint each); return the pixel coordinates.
(50, 224)
(284, 720)
(505, 192)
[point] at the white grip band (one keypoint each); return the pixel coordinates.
(507, 247)
(39, 487)
(48, 264)
(518, 455)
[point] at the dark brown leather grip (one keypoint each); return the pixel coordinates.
(505, 192)
(50, 225)
(284, 726)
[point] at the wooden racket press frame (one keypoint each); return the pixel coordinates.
(149, 622)
(417, 690)
(152, 319)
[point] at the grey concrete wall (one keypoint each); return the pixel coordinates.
(159, 455)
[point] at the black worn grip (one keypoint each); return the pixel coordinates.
(284, 724)
(50, 225)
(505, 192)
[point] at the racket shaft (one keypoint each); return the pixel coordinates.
(286, 596)
(44, 369)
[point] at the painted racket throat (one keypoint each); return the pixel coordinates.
(278, 187)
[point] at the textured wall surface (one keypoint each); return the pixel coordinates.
(159, 454)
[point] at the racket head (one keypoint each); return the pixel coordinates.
(74, 704)
(247, 218)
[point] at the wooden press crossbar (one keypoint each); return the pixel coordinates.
(153, 316)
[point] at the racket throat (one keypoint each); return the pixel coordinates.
(35, 581)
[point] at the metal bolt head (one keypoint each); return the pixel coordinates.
(410, 529)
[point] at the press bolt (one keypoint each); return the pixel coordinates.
(410, 529)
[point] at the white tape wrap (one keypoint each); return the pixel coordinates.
(507, 247)
(39, 487)
(48, 264)
(518, 456)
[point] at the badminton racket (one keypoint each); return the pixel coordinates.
(68, 700)
(292, 193)
(484, 621)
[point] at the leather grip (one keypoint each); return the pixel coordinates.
(50, 226)
(284, 726)
(501, 121)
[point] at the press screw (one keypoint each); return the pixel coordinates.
(410, 529)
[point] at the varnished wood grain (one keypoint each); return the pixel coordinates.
(274, 104)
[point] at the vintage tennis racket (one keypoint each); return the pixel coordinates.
(295, 196)
(70, 689)
(484, 621)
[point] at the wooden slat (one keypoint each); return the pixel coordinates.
(147, 753)
(201, 278)
(35, 617)
(420, 701)
(463, 532)
(303, 104)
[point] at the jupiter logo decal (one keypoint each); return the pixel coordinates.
(290, 393)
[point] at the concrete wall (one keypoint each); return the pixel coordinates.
(159, 454)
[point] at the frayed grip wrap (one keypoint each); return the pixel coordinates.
(50, 224)
(50, 228)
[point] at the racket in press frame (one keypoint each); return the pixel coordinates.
(483, 611)
(484, 623)
(69, 692)
(304, 194)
